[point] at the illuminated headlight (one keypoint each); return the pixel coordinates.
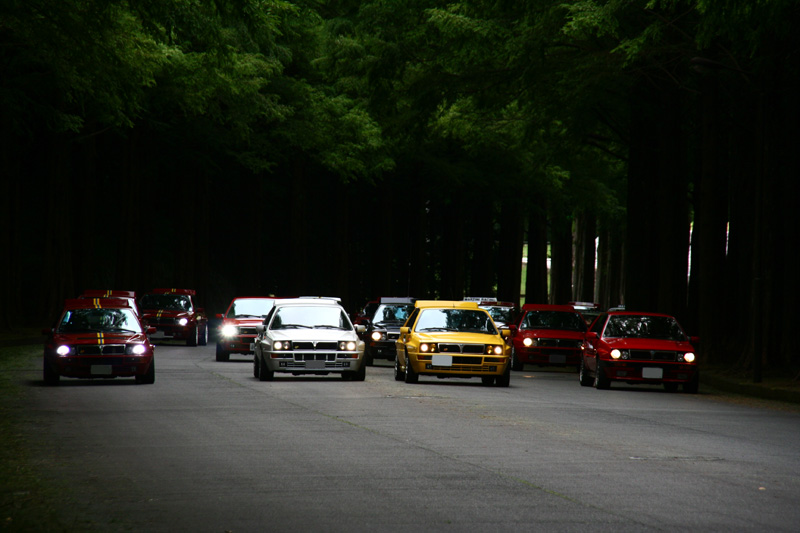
(616, 354)
(135, 349)
(229, 330)
(377, 335)
(347, 346)
(494, 349)
(183, 321)
(63, 350)
(281, 346)
(527, 341)
(427, 347)
(688, 357)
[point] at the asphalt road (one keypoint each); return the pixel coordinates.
(210, 448)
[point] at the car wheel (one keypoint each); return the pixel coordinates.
(149, 377)
(264, 374)
(411, 376)
(399, 375)
(191, 340)
(583, 374)
(487, 380)
(222, 355)
(515, 364)
(203, 340)
(692, 387)
(360, 374)
(50, 376)
(600, 379)
(505, 379)
(255, 365)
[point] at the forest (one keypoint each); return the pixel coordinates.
(636, 152)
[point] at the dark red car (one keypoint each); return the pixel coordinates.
(237, 332)
(175, 315)
(547, 335)
(639, 348)
(98, 338)
(129, 296)
(504, 314)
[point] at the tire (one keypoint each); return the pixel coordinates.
(193, 337)
(601, 382)
(50, 376)
(203, 340)
(515, 364)
(411, 376)
(149, 377)
(222, 355)
(583, 374)
(487, 380)
(398, 374)
(255, 365)
(505, 379)
(361, 373)
(692, 387)
(264, 374)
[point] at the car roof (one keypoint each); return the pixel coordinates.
(97, 303)
(495, 303)
(255, 298)
(308, 300)
(188, 292)
(394, 300)
(548, 307)
(110, 293)
(637, 313)
(446, 304)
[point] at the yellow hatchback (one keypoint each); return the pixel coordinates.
(452, 339)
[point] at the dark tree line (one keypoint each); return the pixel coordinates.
(379, 148)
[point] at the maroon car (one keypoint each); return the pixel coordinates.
(98, 338)
(175, 315)
(237, 332)
(639, 348)
(547, 335)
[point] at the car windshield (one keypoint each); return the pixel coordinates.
(553, 320)
(643, 326)
(310, 317)
(177, 302)
(99, 321)
(501, 314)
(392, 313)
(459, 320)
(250, 307)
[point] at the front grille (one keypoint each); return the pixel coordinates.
(162, 321)
(329, 346)
(248, 331)
(559, 343)
(100, 349)
(462, 348)
(653, 355)
(392, 335)
(314, 357)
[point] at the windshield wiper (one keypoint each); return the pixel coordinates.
(436, 329)
(327, 326)
(294, 326)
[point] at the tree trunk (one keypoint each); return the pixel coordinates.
(536, 278)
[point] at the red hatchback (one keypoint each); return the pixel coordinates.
(547, 335)
(175, 315)
(237, 332)
(639, 348)
(98, 338)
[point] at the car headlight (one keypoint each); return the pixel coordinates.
(616, 354)
(377, 335)
(427, 347)
(347, 346)
(229, 330)
(688, 357)
(527, 341)
(63, 350)
(494, 349)
(135, 349)
(183, 321)
(280, 346)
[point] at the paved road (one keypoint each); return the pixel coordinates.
(209, 448)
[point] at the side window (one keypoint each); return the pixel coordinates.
(411, 319)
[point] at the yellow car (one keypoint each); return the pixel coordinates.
(452, 339)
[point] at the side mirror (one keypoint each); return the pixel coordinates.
(260, 328)
(591, 335)
(404, 330)
(151, 330)
(513, 330)
(506, 333)
(360, 328)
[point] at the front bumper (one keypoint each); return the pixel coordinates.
(100, 366)
(383, 349)
(238, 344)
(648, 372)
(459, 365)
(316, 362)
(537, 355)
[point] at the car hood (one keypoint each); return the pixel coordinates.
(459, 338)
(632, 343)
(313, 335)
(166, 313)
(248, 321)
(553, 333)
(98, 338)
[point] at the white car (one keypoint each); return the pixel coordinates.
(308, 336)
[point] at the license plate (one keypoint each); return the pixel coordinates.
(652, 373)
(558, 358)
(442, 360)
(315, 365)
(101, 370)
(252, 346)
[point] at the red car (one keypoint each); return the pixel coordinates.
(547, 335)
(237, 332)
(639, 348)
(128, 296)
(98, 338)
(175, 315)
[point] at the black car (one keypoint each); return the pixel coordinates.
(384, 328)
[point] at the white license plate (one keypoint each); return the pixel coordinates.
(442, 360)
(101, 370)
(252, 346)
(652, 373)
(558, 358)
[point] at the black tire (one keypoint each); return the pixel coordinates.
(583, 374)
(361, 373)
(149, 377)
(264, 374)
(505, 379)
(222, 355)
(411, 376)
(255, 365)
(193, 337)
(203, 340)
(601, 382)
(399, 375)
(50, 376)
(487, 380)
(515, 364)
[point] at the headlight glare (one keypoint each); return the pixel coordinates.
(281, 345)
(183, 321)
(136, 349)
(527, 341)
(688, 357)
(615, 354)
(63, 350)
(377, 335)
(229, 330)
